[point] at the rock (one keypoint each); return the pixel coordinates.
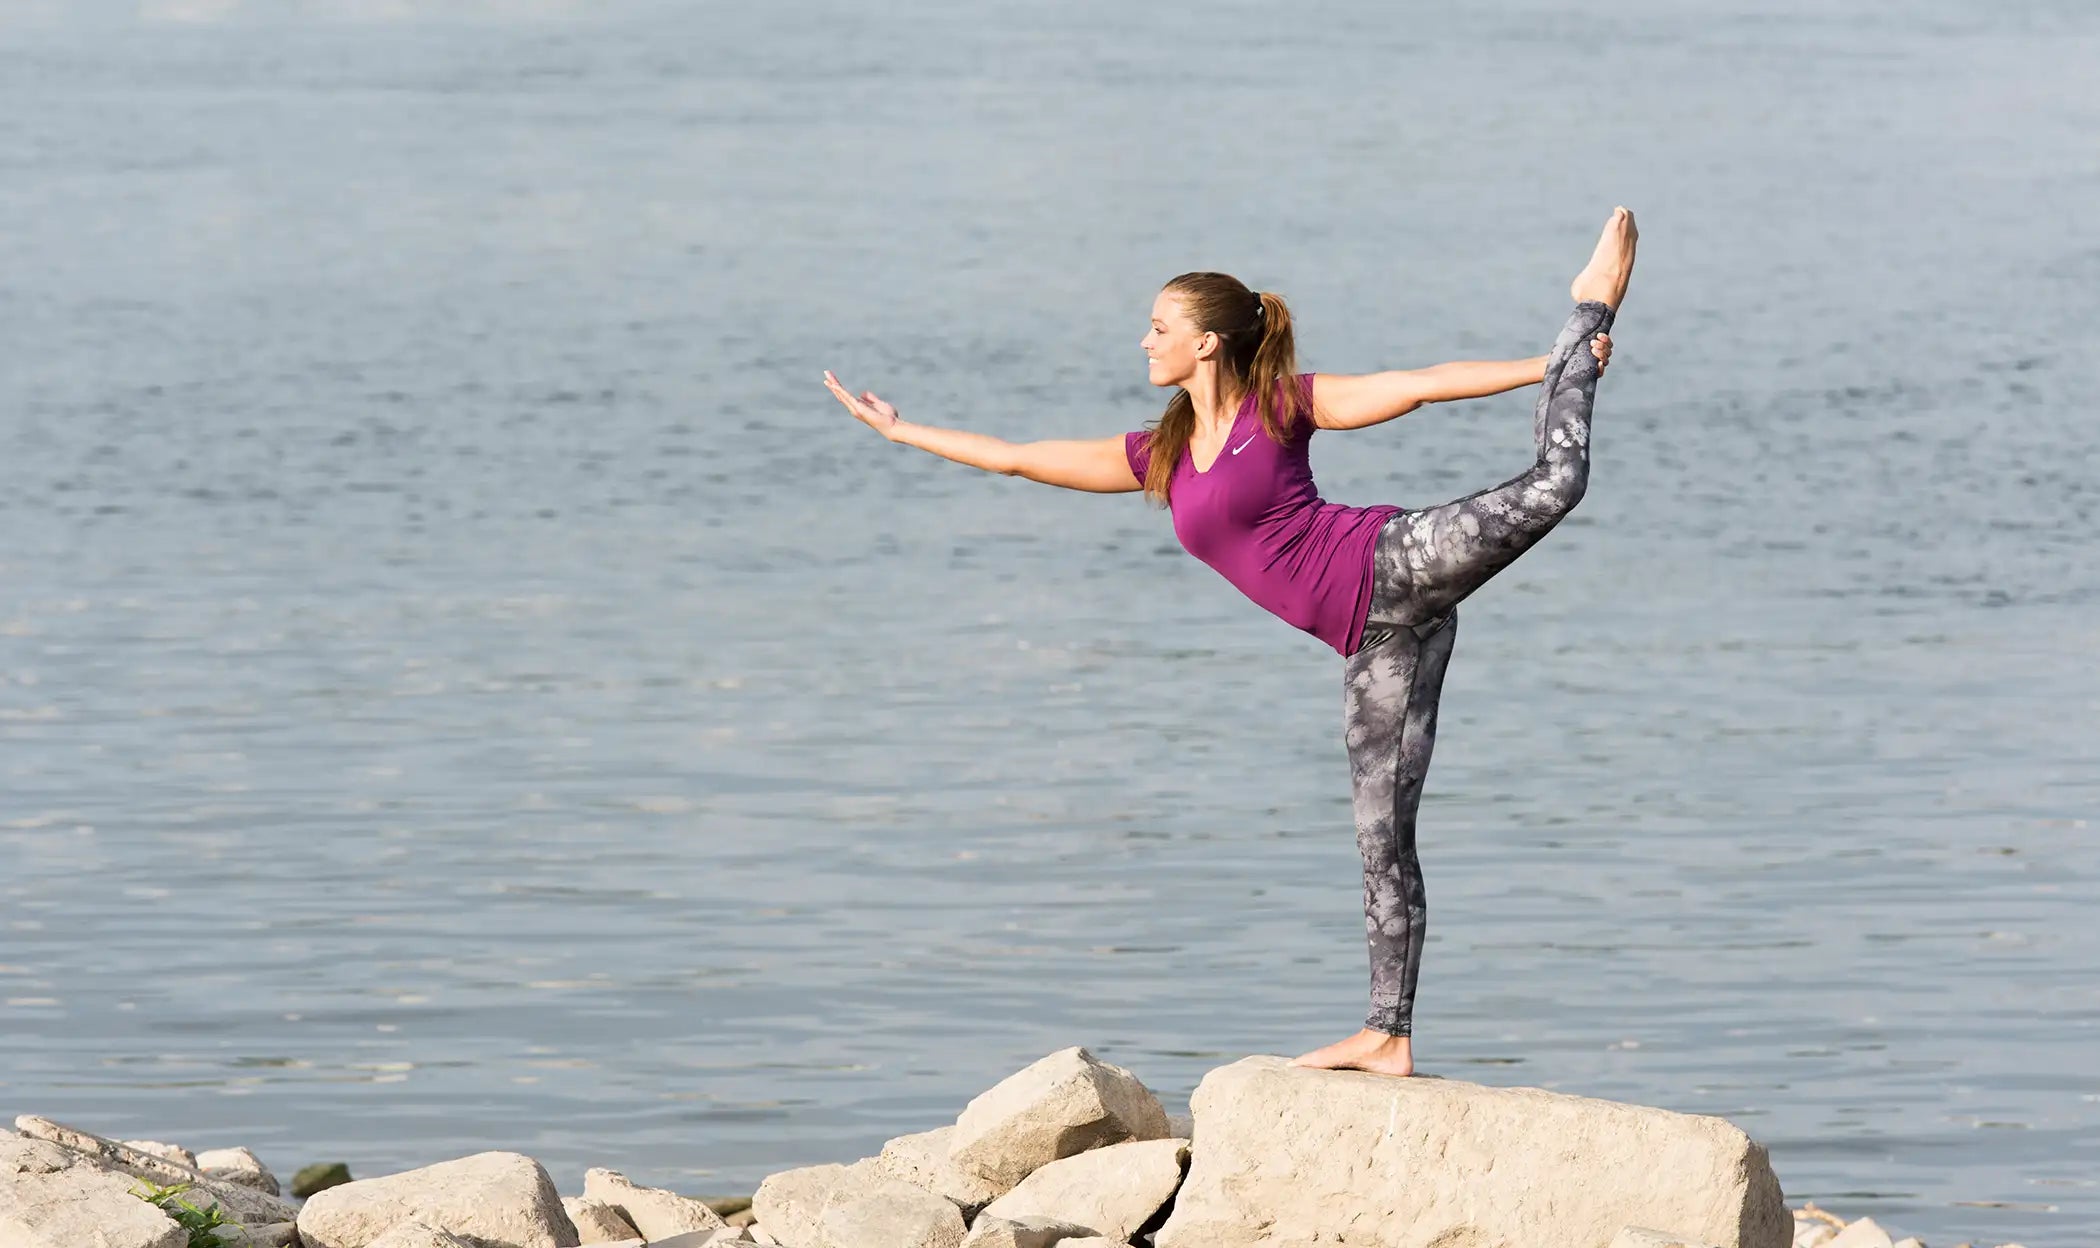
(855, 1206)
(1103, 1241)
(654, 1212)
(1108, 1191)
(726, 1207)
(696, 1239)
(51, 1197)
(922, 1160)
(1064, 1104)
(741, 1218)
(1181, 1126)
(1335, 1154)
(170, 1152)
(996, 1232)
(319, 1177)
(241, 1204)
(1865, 1233)
(238, 1165)
(504, 1200)
(1643, 1237)
(759, 1235)
(1813, 1235)
(274, 1235)
(413, 1234)
(596, 1221)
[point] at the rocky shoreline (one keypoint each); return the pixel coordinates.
(1070, 1152)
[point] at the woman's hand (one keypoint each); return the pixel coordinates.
(1600, 346)
(871, 411)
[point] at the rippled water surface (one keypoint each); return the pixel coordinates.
(464, 685)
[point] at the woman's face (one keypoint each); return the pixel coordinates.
(1172, 344)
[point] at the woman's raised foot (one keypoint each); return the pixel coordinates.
(1604, 279)
(1374, 1051)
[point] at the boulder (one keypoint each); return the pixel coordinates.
(170, 1152)
(238, 1165)
(1371, 1161)
(856, 1206)
(1108, 1191)
(1064, 1104)
(995, 1232)
(414, 1234)
(241, 1204)
(597, 1222)
(503, 1200)
(319, 1177)
(1865, 1233)
(922, 1160)
(51, 1197)
(653, 1212)
(1103, 1241)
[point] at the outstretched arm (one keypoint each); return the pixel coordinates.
(1342, 401)
(1096, 465)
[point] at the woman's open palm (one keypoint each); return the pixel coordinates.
(873, 412)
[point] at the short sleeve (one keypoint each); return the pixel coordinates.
(1137, 448)
(1302, 419)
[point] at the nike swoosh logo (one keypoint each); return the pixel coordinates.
(1244, 445)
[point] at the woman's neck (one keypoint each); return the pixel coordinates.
(1213, 403)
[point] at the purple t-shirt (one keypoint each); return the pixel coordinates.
(1256, 518)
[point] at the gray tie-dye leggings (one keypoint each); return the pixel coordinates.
(1425, 562)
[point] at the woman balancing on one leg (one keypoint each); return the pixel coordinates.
(1379, 584)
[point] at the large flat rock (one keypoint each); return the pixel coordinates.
(241, 1204)
(1370, 1161)
(51, 1197)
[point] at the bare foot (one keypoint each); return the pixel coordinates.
(1369, 1050)
(1604, 278)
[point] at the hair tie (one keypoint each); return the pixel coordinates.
(1259, 306)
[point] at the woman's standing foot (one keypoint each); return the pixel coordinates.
(1604, 279)
(1374, 1051)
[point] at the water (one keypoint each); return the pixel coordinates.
(466, 686)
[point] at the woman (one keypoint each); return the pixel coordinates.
(1379, 584)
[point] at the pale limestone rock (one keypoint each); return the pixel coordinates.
(241, 1204)
(274, 1235)
(1181, 1126)
(1109, 1191)
(759, 1234)
(1865, 1233)
(1378, 1162)
(922, 1160)
(989, 1231)
(1644, 1237)
(857, 1206)
(171, 1152)
(51, 1197)
(1103, 1241)
(1814, 1235)
(238, 1165)
(653, 1212)
(1064, 1104)
(504, 1200)
(598, 1222)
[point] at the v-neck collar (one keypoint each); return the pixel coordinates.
(1231, 432)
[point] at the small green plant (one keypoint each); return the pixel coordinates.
(200, 1223)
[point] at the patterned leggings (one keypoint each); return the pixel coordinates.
(1425, 562)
